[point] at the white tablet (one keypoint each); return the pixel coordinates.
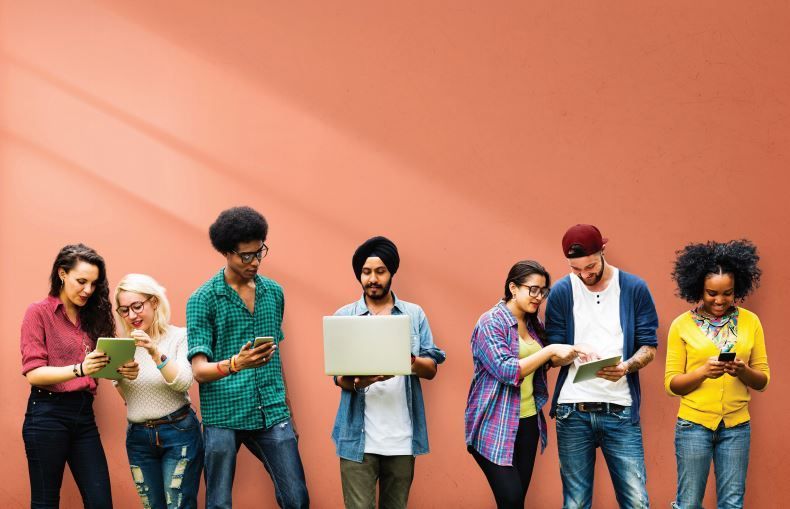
(367, 345)
(588, 370)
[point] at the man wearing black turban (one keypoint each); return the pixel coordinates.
(384, 249)
(380, 425)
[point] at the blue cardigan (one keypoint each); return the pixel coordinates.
(638, 320)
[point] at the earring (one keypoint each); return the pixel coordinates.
(514, 295)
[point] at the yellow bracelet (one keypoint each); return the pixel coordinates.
(232, 367)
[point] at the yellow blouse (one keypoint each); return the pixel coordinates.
(726, 397)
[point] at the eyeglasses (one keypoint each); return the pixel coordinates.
(137, 307)
(259, 254)
(534, 291)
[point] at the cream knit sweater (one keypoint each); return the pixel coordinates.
(150, 397)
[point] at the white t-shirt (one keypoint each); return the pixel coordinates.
(596, 317)
(388, 429)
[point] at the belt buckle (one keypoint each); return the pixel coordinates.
(589, 407)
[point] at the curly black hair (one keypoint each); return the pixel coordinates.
(96, 317)
(236, 225)
(695, 262)
(519, 273)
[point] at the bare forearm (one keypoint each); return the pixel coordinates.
(753, 378)
(205, 371)
(170, 370)
(686, 382)
(531, 363)
(641, 358)
(345, 382)
(51, 375)
(424, 367)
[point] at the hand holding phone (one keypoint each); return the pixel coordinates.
(261, 340)
(726, 356)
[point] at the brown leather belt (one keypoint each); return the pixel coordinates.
(598, 407)
(176, 416)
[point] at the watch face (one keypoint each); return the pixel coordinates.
(162, 359)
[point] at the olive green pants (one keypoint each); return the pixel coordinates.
(393, 473)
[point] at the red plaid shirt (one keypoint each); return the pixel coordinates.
(50, 339)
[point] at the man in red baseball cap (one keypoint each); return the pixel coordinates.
(611, 313)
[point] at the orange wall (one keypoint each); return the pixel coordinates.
(471, 134)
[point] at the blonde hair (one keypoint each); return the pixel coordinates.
(146, 285)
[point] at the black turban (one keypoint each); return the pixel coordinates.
(380, 247)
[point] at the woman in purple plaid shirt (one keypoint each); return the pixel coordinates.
(504, 420)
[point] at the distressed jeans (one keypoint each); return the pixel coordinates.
(620, 440)
(275, 447)
(695, 447)
(166, 461)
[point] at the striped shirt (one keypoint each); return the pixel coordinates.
(218, 325)
(494, 402)
(49, 338)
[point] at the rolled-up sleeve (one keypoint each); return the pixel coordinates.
(490, 347)
(759, 357)
(645, 318)
(676, 357)
(200, 330)
(183, 380)
(427, 347)
(33, 341)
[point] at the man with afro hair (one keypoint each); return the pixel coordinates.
(242, 389)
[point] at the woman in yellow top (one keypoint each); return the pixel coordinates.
(713, 420)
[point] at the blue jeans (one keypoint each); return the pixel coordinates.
(695, 447)
(579, 434)
(277, 449)
(60, 428)
(166, 461)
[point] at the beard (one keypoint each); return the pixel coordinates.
(385, 290)
(594, 281)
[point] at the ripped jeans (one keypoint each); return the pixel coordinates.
(166, 462)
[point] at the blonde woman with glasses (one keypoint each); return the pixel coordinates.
(163, 440)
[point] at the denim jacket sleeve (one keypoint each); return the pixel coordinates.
(427, 347)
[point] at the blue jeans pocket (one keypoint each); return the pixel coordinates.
(188, 423)
(682, 424)
(563, 412)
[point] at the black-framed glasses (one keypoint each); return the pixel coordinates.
(137, 307)
(534, 291)
(259, 254)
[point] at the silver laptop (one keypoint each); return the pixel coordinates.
(367, 345)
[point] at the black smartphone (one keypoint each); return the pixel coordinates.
(726, 356)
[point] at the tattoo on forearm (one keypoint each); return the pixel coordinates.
(642, 358)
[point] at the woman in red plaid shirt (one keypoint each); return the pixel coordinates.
(58, 339)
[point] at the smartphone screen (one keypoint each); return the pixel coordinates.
(261, 340)
(727, 356)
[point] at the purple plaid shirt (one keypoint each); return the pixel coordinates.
(494, 402)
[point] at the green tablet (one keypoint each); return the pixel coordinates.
(120, 350)
(588, 370)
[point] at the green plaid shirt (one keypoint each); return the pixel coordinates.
(218, 324)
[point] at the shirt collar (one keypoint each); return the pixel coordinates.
(508, 316)
(221, 287)
(53, 303)
(362, 306)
